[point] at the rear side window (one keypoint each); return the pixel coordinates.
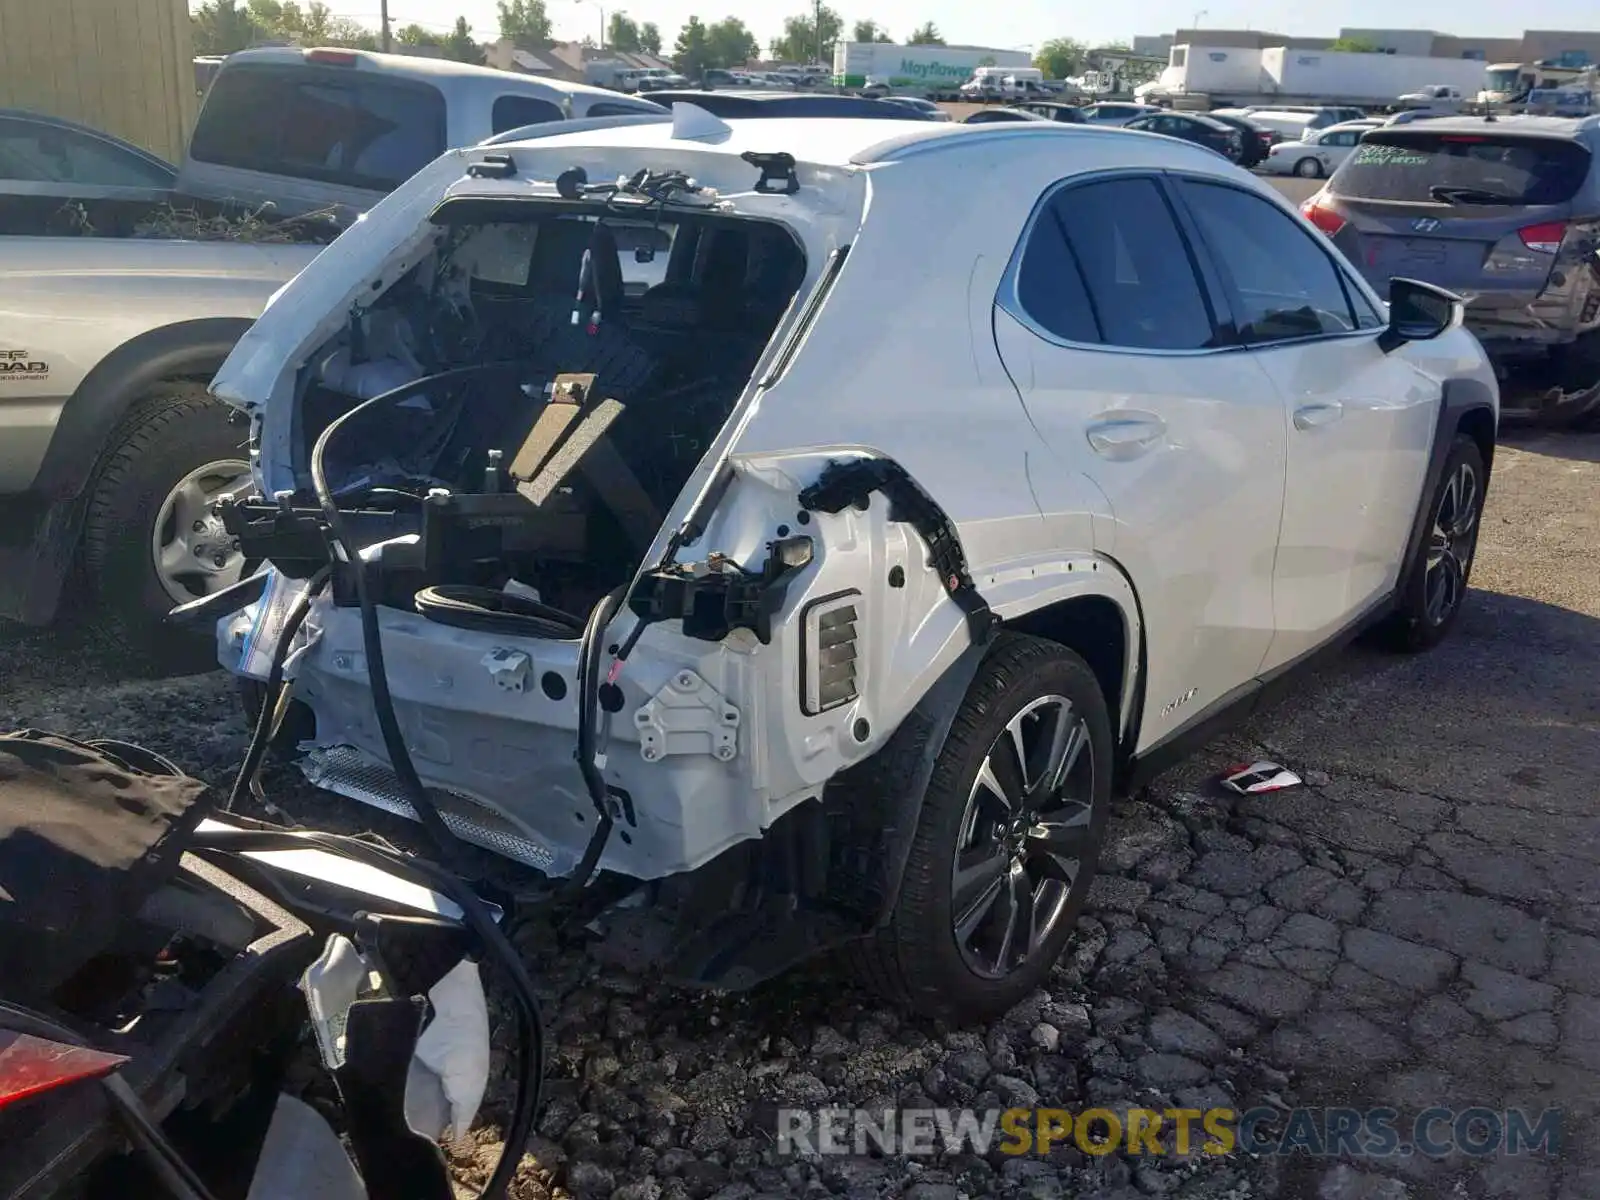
(1105, 264)
(335, 126)
(1286, 285)
(1420, 167)
(513, 112)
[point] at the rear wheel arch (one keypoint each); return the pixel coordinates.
(1095, 628)
(186, 351)
(1478, 424)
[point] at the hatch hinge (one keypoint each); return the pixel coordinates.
(777, 167)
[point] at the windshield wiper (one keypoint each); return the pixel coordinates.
(1467, 195)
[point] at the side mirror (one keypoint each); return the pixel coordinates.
(1418, 312)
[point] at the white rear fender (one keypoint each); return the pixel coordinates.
(907, 630)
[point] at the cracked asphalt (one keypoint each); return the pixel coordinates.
(1417, 927)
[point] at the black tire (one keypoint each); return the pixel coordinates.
(1417, 624)
(1314, 173)
(164, 438)
(915, 961)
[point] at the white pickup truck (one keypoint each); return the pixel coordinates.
(112, 326)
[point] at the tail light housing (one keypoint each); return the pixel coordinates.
(1325, 219)
(30, 1066)
(332, 58)
(829, 676)
(1544, 237)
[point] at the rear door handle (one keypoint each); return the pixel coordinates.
(1126, 435)
(1313, 416)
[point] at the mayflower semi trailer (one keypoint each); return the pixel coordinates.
(925, 70)
(1229, 75)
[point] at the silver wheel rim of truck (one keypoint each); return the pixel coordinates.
(192, 553)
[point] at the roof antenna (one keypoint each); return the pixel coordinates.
(691, 123)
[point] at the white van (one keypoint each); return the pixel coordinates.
(1004, 81)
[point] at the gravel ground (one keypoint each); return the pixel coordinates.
(1418, 926)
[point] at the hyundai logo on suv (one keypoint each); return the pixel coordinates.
(1425, 224)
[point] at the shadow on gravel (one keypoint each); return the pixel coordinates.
(66, 654)
(1418, 926)
(1577, 446)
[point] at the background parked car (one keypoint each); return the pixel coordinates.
(1284, 126)
(655, 79)
(1505, 212)
(1318, 116)
(1196, 128)
(1115, 112)
(45, 160)
(1318, 152)
(318, 129)
(985, 116)
(1055, 110)
(1254, 140)
(918, 105)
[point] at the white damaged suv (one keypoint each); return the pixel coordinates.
(802, 546)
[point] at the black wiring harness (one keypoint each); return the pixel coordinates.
(476, 915)
(488, 610)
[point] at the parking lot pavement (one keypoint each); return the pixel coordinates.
(1419, 927)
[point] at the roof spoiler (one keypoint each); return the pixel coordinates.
(544, 129)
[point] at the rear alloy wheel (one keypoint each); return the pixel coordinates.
(1006, 846)
(1437, 580)
(1308, 168)
(1022, 837)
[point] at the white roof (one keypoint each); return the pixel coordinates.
(822, 141)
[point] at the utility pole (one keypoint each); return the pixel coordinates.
(383, 12)
(817, 21)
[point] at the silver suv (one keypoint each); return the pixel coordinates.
(1502, 211)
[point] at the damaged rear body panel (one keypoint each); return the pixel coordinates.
(686, 398)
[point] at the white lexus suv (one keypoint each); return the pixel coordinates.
(801, 547)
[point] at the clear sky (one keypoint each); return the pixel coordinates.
(1026, 22)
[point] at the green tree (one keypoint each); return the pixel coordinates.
(416, 35)
(316, 26)
(287, 21)
(276, 22)
(650, 38)
(799, 40)
(1060, 57)
(1356, 45)
(869, 31)
(622, 33)
(460, 46)
(926, 35)
(729, 43)
(525, 22)
(691, 54)
(222, 27)
(342, 31)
